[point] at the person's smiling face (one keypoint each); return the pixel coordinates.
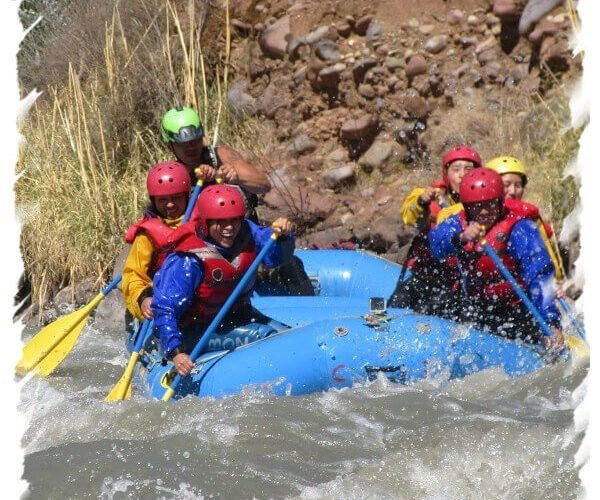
(171, 207)
(224, 231)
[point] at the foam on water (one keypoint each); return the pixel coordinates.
(487, 436)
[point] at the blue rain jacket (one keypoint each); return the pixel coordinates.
(526, 247)
(175, 284)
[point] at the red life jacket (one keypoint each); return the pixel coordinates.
(529, 211)
(162, 237)
(220, 276)
(481, 269)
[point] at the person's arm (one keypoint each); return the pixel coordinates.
(535, 268)
(412, 211)
(236, 170)
(174, 285)
(261, 236)
(444, 239)
(137, 284)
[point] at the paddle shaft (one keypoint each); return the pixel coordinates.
(224, 310)
(192, 203)
(578, 326)
(122, 388)
(518, 290)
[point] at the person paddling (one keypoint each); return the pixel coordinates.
(168, 186)
(182, 130)
(198, 277)
(420, 209)
(514, 178)
(514, 236)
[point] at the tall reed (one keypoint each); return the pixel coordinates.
(89, 142)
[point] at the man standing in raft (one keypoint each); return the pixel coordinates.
(516, 239)
(203, 270)
(182, 130)
(421, 292)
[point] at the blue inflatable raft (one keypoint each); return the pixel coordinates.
(338, 338)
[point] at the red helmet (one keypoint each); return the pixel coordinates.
(220, 201)
(481, 184)
(168, 178)
(459, 153)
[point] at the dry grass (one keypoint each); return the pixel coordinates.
(90, 141)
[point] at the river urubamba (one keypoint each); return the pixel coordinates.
(486, 436)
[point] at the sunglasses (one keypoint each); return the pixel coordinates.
(186, 134)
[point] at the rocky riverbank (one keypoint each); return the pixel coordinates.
(361, 101)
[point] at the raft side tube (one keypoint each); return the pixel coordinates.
(336, 353)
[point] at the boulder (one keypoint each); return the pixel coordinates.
(361, 128)
(366, 90)
(374, 32)
(376, 155)
(344, 29)
(414, 105)
(393, 63)
(329, 77)
(361, 67)
(337, 155)
(455, 16)
(362, 24)
(77, 295)
(271, 100)
(241, 103)
(489, 43)
(507, 10)
(417, 65)
(328, 238)
(338, 176)
(534, 11)
(328, 51)
(273, 42)
(436, 44)
(110, 313)
(320, 206)
(302, 144)
(487, 56)
(316, 35)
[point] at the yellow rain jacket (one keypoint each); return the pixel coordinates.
(136, 271)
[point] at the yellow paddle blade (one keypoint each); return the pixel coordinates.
(52, 335)
(578, 346)
(56, 356)
(122, 389)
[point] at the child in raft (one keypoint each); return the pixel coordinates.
(423, 291)
(168, 186)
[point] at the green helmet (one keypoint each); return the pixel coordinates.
(181, 125)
